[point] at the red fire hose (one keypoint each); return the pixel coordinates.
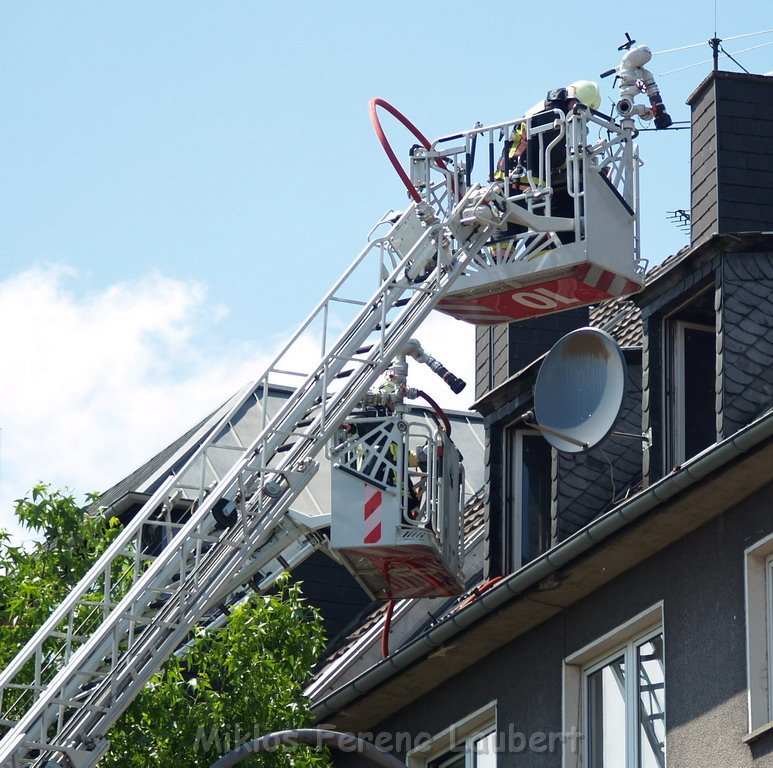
(417, 134)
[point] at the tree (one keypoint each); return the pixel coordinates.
(227, 686)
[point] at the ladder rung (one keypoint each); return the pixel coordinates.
(342, 300)
(99, 674)
(65, 636)
(95, 603)
(146, 621)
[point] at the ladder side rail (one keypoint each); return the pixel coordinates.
(99, 644)
(130, 535)
(155, 568)
(260, 530)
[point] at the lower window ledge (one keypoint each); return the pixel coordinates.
(758, 732)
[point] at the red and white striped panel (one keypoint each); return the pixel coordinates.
(372, 515)
(586, 284)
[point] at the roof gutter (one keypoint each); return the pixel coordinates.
(689, 474)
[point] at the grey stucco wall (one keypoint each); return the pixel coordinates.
(700, 580)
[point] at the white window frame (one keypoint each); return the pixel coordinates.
(759, 633)
(579, 665)
(514, 511)
(680, 390)
(478, 724)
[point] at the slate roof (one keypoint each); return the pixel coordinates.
(621, 318)
(144, 480)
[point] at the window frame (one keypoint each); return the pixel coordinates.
(623, 640)
(513, 498)
(468, 730)
(676, 403)
(758, 588)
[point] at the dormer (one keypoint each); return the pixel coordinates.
(536, 496)
(707, 311)
(707, 359)
(697, 342)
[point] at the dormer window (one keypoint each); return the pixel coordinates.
(528, 495)
(694, 391)
(691, 379)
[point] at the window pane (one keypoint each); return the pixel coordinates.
(652, 703)
(699, 390)
(484, 751)
(606, 716)
(535, 497)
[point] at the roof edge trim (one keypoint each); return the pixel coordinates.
(512, 586)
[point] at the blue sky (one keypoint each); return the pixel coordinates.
(181, 182)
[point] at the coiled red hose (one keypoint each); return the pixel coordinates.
(417, 134)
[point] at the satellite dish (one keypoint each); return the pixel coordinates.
(579, 390)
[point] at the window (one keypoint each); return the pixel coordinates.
(690, 360)
(759, 633)
(528, 494)
(615, 698)
(694, 389)
(470, 743)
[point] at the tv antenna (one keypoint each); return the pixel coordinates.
(681, 218)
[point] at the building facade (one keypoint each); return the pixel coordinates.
(620, 601)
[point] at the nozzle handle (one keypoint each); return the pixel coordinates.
(454, 382)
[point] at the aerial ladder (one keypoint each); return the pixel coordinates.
(226, 519)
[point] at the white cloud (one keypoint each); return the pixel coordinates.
(94, 384)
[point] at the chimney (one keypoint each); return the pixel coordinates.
(503, 350)
(732, 155)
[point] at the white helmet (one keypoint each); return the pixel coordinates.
(586, 92)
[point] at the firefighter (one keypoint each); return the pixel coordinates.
(520, 160)
(584, 92)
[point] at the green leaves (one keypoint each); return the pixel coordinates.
(231, 684)
(35, 577)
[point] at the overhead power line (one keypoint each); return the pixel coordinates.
(725, 39)
(708, 61)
